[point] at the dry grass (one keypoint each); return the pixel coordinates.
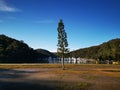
(34, 65)
(51, 76)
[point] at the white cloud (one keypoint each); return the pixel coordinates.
(6, 8)
(46, 21)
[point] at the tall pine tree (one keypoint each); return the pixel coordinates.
(62, 42)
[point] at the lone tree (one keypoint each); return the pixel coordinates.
(62, 42)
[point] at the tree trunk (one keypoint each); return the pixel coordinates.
(63, 63)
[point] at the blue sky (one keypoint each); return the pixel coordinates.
(87, 22)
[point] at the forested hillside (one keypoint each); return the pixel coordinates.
(12, 50)
(46, 53)
(107, 51)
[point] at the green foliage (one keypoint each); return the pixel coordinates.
(62, 38)
(62, 41)
(106, 51)
(14, 51)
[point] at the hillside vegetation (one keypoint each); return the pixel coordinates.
(107, 51)
(14, 51)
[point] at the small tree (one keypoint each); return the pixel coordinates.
(62, 42)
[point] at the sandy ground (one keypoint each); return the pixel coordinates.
(73, 78)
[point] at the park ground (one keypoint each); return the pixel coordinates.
(52, 77)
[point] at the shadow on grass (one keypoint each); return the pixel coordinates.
(7, 81)
(23, 86)
(11, 73)
(11, 79)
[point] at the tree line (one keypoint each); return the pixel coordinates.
(107, 51)
(14, 51)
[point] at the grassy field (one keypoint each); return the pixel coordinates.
(52, 77)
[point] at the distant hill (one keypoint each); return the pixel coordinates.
(107, 51)
(46, 53)
(14, 51)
